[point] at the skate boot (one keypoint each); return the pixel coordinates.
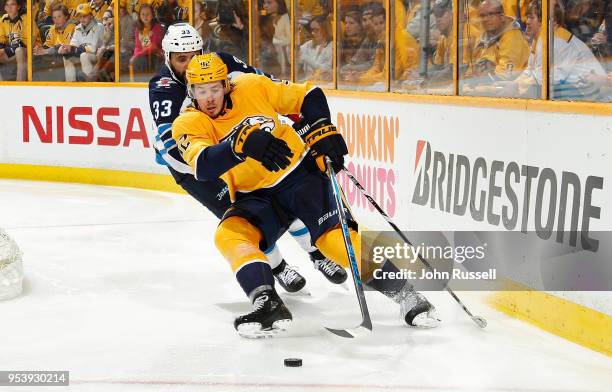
(269, 317)
(332, 271)
(415, 309)
(288, 278)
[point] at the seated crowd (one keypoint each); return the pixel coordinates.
(500, 42)
(499, 53)
(74, 40)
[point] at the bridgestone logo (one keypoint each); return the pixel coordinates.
(452, 183)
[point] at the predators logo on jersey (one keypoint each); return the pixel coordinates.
(264, 123)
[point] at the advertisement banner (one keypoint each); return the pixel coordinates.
(102, 127)
(431, 167)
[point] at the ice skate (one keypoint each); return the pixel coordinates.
(289, 279)
(332, 271)
(269, 317)
(415, 309)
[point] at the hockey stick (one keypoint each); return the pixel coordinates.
(480, 321)
(366, 322)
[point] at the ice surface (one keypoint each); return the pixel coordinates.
(125, 289)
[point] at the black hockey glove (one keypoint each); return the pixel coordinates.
(324, 140)
(272, 152)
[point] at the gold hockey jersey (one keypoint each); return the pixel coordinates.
(59, 37)
(255, 99)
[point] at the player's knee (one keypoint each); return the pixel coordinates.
(238, 241)
(232, 230)
(331, 244)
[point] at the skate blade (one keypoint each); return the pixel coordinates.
(304, 292)
(425, 321)
(254, 330)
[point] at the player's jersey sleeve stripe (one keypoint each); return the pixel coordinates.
(195, 165)
(167, 151)
(299, 232)
(177, 165)
(164, 130)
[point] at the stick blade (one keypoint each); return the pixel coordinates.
(364, 329)
(480, 321)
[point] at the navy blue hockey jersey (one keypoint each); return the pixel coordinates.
(167, 97)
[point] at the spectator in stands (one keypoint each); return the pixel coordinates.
(70, 4)
(14, 29)
(501, 52)
(364, 56)
(98, 8)
(38, 14)
(37, 17)
(352, 37)
(413, 23)
(533, 24)
(126, 36)
(516, 9)
(303, 29)
(104, 70)
(583, 18)
(373, 74)
(84, 44)
(267, 53)
(171, 11)
(231, 32)
(315, 56)
(405, 53)
(442, 62)
(148, 55)
(203, 15)
(277, 9)
(577, 75)
(200, 17)
(133, 7)
(315, 7)
(59, 34)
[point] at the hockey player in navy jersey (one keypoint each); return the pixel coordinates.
(167, 96)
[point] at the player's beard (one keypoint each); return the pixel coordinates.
(181, 76)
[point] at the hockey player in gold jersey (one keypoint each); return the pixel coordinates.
(233, 131)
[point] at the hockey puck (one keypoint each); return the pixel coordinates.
(293, 362)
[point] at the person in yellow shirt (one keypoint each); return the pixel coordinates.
(376, 72)
(442, 62)
(273, 173)
(14, 40)
(59, 34)
(501, 52)
(46, 55)
(71, 5)
(516, 9)
(405, 52)
(98, 8)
